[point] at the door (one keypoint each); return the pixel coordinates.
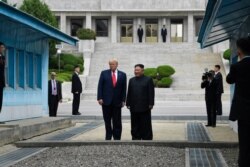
(127, 31)
(176, 31)
(152, 30)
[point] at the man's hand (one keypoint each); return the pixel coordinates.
(60, 101)
(76, 92)
(150, 107)
(123, 104)
(100, 102)
(128, 107)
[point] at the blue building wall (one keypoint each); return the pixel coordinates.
(26, 72)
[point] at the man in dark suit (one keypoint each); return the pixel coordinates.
(164, 33)
(111, 96)
(54, 95)
(140, 33)
(2, 73)
(76, 89)
(210, 86)
(240, 109)
(219, 80)
(140, 102)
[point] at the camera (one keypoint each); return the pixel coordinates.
(205, 74)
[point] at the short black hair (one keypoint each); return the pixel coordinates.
(1, 43)
(139, 65)
(244, 45)
(217, 66)
(76, 66)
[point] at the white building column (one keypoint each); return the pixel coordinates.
(190, 27)
(114, 28)
(168, 27)
(63, 23)
(88, 21)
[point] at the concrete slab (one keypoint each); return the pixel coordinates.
(223, 132)
(161, 130)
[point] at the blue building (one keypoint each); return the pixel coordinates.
(225, 20)
(27, 42)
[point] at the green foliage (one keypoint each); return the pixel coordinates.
(227, 54)
(67, 62)
(165, 71)
(155, 82)
(165, 82)
(85, 34)
(41, 11)
(68, 67)
(150, 72)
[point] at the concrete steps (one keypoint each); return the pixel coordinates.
(188, 60)
(24, 129)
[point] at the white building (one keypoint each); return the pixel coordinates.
(118, 20)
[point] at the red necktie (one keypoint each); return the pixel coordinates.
(113, 79)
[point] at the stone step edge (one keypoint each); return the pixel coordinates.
(175, 144)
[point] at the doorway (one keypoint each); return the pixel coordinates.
(152, 30)
(176, 31)
(127, 31)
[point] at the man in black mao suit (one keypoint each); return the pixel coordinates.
(54, 95)
(140, 33)
(164, 34)
(219, 80)
(111, 96)
(2, 74)
(76, 89)
(210, 85)
(240, 109)
(140, 102)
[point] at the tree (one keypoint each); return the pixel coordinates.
(41, 11)
(6, 1)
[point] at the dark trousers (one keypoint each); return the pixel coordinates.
(1, 98)
(244, 143)
(141, 126)
(218, 104)
(113, 123)
(164, 38)
(53, 105)
(76, 103)
(140, 39)
(211, 112)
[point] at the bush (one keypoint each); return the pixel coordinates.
(68, 67)
(69, 59)
(150, 72)
(227, 54)
(165, 82)
(155, 82)
(165, 71)
(85, 34)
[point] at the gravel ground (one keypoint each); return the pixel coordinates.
(231, 156)
(107, 156)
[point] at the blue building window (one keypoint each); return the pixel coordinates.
(38, 71)
(11, 67)
(30, 67)
(6, 75)
(20, 69)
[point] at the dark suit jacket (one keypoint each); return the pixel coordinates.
(210, 90)
(141, 94)
(140, 32)
(240, 76)
(164, 32)
(109, 94)
(2, 69)
(219, 79)
(76, 84)
(59, 90)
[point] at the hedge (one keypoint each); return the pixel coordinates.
(165, 82)
(86, 34)
(227, 54)
(165, 71)
(150, 72)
